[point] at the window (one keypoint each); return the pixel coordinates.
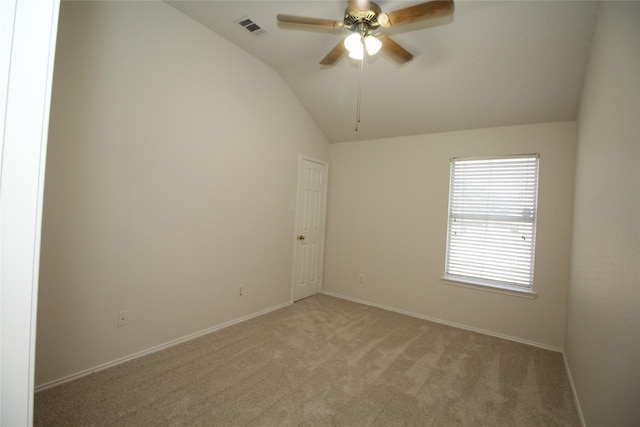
(492, 221)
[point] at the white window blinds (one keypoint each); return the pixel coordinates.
(492, 220)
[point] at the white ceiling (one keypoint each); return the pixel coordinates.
(491, 64)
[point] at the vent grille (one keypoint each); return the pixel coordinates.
(350, 20)
(251, 27)
(360, 16)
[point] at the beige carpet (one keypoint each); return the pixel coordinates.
(324, 361)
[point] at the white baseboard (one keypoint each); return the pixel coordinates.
(446, 322)
(574, 392)
(160, 347)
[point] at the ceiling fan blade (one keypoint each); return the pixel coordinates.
(302, 20)
(335, 54)
(415, 13)
(397, 52)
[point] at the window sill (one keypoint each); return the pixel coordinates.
(506, 290)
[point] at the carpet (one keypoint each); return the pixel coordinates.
(324, 361)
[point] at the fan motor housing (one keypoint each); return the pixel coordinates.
(354, 16)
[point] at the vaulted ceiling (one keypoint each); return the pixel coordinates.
(490, 64)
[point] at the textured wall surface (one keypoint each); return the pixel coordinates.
(603, 326)
(171, 171)
(387, 219)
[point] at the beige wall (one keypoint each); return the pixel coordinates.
(603, 327)
(170, 175)
(387, 218)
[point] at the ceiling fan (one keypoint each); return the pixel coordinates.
(364, 18)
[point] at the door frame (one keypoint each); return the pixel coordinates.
(301, 158)
(27, 49)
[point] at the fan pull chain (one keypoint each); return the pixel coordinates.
(360, 88)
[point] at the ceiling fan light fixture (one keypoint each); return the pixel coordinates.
(353, 43)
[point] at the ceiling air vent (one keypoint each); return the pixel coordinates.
(251, 27)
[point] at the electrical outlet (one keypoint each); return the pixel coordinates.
(240, 290)
(361, 278)
(123, 318)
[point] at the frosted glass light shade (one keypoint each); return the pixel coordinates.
(357, 54)
(372, 44)
(353, 43)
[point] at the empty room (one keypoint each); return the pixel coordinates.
(323, 213)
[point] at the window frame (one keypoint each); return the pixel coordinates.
(478, 281)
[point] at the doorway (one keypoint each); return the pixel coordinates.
(310, 211)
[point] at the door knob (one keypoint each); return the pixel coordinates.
(301, 237)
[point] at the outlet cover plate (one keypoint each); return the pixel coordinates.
(123, 318)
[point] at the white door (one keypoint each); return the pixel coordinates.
(310, 224)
